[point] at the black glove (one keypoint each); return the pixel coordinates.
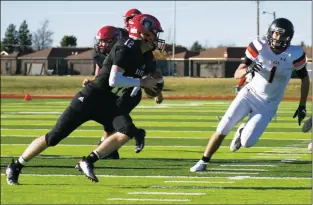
(301, 113)
(254, 67)
(140, 140)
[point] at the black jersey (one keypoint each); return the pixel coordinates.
(148, 56)
(98, 58)
(127, 54)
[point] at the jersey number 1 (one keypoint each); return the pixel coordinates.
(273, 71)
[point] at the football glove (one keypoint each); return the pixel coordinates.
(301, 113)
(254, 67)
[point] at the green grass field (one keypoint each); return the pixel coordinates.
(278, 170)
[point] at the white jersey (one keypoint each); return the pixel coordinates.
(270, 82)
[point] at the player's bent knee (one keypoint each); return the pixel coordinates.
(124, 125)
(52, 139)
(129, 130)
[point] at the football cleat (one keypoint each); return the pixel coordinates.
(307, 125)
(86, 168)
(12, 172)
(140, 140)
(236, 142)
(199, 167)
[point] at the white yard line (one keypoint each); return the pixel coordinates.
(169, 193)
(234, 169)
(248, 165)
(200, 182)
(170, 177)
(139, 199)
(231, 173)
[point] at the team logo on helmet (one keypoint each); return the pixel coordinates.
(147, 23)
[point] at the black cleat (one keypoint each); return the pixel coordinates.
(86, 168)
(140, 140)
(12, 172)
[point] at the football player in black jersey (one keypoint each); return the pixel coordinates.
(125, 60)
(123, 68)
(102, 48)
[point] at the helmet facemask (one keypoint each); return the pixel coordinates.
(280, 33)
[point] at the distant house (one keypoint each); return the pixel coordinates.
(181, 64)
(10, 65)
(48, 61)
(169, 67)
(217, 62)
(81, 64)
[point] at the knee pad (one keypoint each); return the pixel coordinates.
(129, 130)
(124, 124)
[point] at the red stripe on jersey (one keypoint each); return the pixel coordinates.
(253, 51)
(300, 61)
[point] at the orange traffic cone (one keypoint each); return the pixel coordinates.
(27, 97)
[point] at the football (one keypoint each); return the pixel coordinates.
(156, 75)
(310, 146)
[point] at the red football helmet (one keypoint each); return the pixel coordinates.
(105, 39)
(131, 13)
(141, 25)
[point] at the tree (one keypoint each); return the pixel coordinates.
(68, 41)
(10, 40)
(24, 38)
(197, 47)
(43, 37)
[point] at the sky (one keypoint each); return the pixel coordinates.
(210, 22)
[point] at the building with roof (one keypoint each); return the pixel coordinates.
(48, 61)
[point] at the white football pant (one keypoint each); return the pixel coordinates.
(261, 113)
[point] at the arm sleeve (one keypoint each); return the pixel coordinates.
(302, 73)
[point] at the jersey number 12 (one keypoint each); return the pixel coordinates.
(118, 91)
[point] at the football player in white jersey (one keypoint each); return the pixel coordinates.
(273, 60)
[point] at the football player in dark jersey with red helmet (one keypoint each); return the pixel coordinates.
(100, 53)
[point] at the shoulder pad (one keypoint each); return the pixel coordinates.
(124, 32)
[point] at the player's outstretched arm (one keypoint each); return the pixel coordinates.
(305, 86)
